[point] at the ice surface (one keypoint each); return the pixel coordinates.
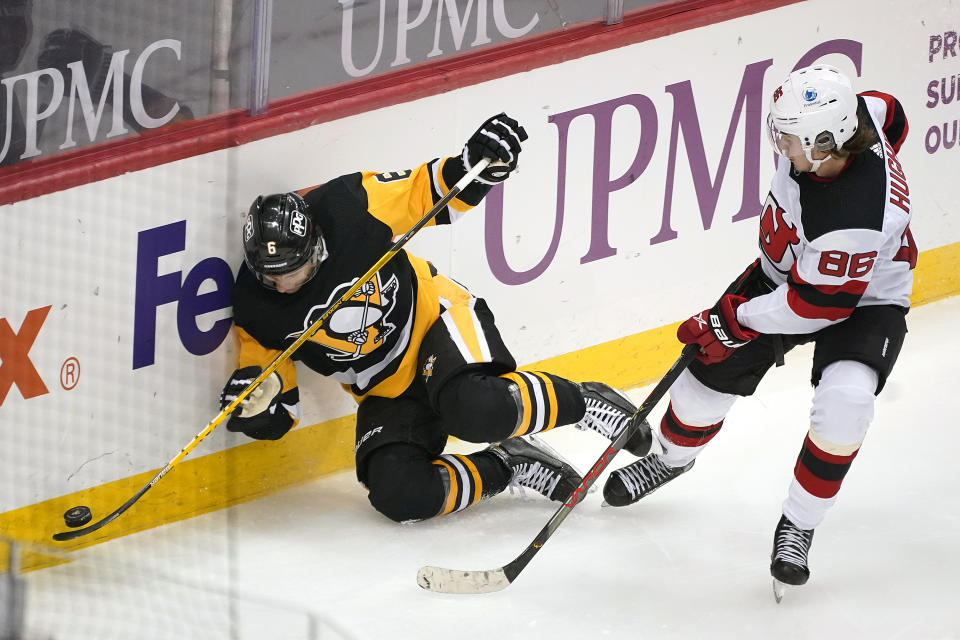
(690, 561)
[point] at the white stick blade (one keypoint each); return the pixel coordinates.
(458, 581)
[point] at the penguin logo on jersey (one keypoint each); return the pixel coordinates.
(428, 367)
(358, 326)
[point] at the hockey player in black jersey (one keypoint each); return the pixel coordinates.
(835, 268)
(420, 353)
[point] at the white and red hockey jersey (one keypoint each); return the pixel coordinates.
(831, 245)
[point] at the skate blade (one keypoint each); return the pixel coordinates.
(779, 588)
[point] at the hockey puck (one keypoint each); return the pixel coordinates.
(77, 516)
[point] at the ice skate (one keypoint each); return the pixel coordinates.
(536, 466)
(788, 561)
(627, 485)
(609, 412)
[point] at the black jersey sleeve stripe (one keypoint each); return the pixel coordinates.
(895, 125)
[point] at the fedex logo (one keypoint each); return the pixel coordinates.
(16, 368)
(154, 289)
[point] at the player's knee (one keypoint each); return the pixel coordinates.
(843, 403)
(404, 485)
(478, 408)
(696, 404)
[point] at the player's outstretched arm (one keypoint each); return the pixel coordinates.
(400, 198)
(499, 138)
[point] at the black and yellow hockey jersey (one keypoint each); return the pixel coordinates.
(370, 343)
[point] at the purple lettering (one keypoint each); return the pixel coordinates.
(603, 186)
(154, 289)
(932, 139)
(749, 102)
(936, 42)
(193, 304)
(932, 92)
(950, 44)
(850, 48)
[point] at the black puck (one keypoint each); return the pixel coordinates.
(77, 516)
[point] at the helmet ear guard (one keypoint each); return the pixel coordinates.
(816, 104)
(280, 237)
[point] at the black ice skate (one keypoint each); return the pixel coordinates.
(536, 466)
(788, 561)
(609, 412)
(627, 485)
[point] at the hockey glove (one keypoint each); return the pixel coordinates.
(498, 138)
(64, 46)
(716, 330)
(261, 414)
(752, 282)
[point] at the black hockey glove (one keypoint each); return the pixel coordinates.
(751, 283)
(498, 138)
(261, 414)
(63, 46)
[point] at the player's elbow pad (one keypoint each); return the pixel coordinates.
(273, 423)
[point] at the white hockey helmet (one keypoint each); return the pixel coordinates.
(818, 106)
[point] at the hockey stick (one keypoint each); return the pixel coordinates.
(488, 581)
(363, 324)
(280, 359)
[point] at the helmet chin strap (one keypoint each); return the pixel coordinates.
(816, 163)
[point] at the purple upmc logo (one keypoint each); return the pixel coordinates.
(685, 139)
(155, 289)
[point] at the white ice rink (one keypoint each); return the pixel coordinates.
(690, 561)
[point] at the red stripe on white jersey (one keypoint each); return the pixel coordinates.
(815, 312)
(852, 287)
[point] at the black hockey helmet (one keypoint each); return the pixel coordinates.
(279, 237)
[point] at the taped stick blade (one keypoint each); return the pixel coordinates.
(458, 581)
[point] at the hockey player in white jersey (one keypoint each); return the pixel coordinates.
(835, 268)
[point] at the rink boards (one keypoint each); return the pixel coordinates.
(636, 202)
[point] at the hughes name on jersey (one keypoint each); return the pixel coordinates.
(370, 342)
(831, 245)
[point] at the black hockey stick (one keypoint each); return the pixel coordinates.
(487, 581)
(273, 366)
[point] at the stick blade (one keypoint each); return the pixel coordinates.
(458, 581)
